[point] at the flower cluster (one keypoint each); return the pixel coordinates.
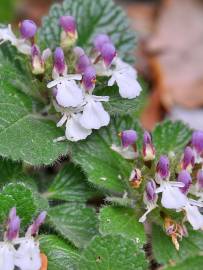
(73, 94)
(181, 190)
(21, 252)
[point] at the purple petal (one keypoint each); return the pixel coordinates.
(163, 167)
(197, 141)
(59, 60)
(128, 137)
(150, 191)
(89, 78)
(108, 52)
(27, 29)
(200, 178)
(100, 40)
(68, 24)
(188, 158)
(186, 179)
(83, 63)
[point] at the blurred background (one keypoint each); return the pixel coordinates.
(169, 55)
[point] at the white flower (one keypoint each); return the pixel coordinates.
(69, 94)
(126, 152)
(6, 256)
(22, 45)
(27, 256)
(94, 116)
(126, 78)
(74, 131)
(172, 197)
(193, 215)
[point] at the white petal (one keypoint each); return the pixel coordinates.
(129, 87)
(6, 256)
(52, 83)
(76, 77)
(69, 94)
(194, 217)
(6, 34)
(100, 98)
(46, 54)
(111, 81)
(27, 257)
(74, 130)
(94, 116)
(121, 66)
(125, 152)
(23, 46)
(173, 198)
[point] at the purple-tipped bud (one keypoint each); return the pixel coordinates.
(185, 178)
(162, 168)
(197, 141)
(59, 61)
(13, 225)
(150, 191)
(38, 65)
(128, 137)
(188, 160)
(68, 24)
(148, 147)
(83, 63)
(89, 78)
(108, 53)
(200, 179)
(78, 51)
(27, 29)
(135, 178)
(100, 40)
(34, 228)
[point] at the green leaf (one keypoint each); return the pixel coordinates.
(93, 17)
(121, 220)
(194, 263)
(6, 202)
(60, 255)
(9, 170)
(70, 185)
(24, 134)
(112, 252)
(105, 168)
(164, 251)
(75, 222)
(22, 198)
(171, 136)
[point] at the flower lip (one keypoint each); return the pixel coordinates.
(28, 29)
(100, 40)
(163, 167)
(188, 158)
(128, 137)
(186, 179)
(89, 78)
(197, 141)
(108, 53)
(150, 191)
(200, 178)
(59, 60)
(68, 24)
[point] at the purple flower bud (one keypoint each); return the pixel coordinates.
(135, 178)
(148, 148)
(100, 40)
(83, 63)
(68, 24)
(128, 137)
(197, 141)
(200, 179)
(13, 225)
(34, 228)
(27, 29)
(59, 61)
(108, 52)
(186, 179)
(37, 61)
(188, 159)
(89, 78)
(150, 190)
(162, 167)
(78, 51)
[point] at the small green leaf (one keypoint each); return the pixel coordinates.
(24, 134)
(93, 17)
(164, 251)
(70, 185)
(121, 220)
(60, 254)
(6, 202)
(105, 168)
(74, 222)
(193, 263)
(112, 252)
(22, 199)
(9, 170)
(169, 136)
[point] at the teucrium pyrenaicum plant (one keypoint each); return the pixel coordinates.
(73, 151)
